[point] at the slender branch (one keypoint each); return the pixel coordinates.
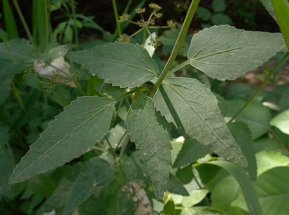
(178, 45)
(116, 16)
(261, 88)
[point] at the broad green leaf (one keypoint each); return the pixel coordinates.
(242, 135)
(256, 116)
(13, 56)
(281, 121)
(193, 108)
(95, 173)
(124, 65)
(191, 151)
(226, 53)
(145, 127)
(246, 186)
(72, 133)
(273, 191)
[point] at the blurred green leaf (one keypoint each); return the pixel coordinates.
(219, 5)
(203, 13)
(281, 121)
(221, 19)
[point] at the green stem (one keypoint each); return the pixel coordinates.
(179, 66)
(281, 9)
(22, 19)
(118, 28)
(9, 20)
(281, 63)
(178, 45)
(18, 96)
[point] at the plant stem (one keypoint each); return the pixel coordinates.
(22, 19)
(118, 28)
(261, 88)
(178, 45)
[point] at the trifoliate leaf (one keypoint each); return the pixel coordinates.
(124, 65)
(193, 108)
(144, 125)
(72, 133)
(225, 53)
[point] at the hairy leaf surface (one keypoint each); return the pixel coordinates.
(95, 174)
(193, 108)
(124, 65)
(145, 128)
(72, 133)
(13, 55)
(225, 53)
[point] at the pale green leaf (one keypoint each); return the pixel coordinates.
(124, 65)
(145, 127)
(281, 121)
(13, 56)
(267, 160)
(193, 108)
(71, 134)
(245, 184)
(94, 174)
(225, 53)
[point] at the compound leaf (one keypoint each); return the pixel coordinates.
(144, 125)
(72, 133)
(124, 65)
(225, 53)
(193, 108)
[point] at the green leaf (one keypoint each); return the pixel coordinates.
(219, 19)
(175, 186)
(191, 151)
(268, 5)
(273, 191)
(245, 184)
(243, 137)
(13, 56)
(124, 65)
(6, 166)
(193, 108)
(204, 14)
(94, 174)
(281, 121)
(219, 5)
(145, 127)
(71, 134)
(225, 53)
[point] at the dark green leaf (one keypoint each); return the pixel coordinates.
(93, 175)
(175, 186)
(145, 127)
(225, 53)
(124, 65)
(71, 134)
(193, 108)
(219, 5)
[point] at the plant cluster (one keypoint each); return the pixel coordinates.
(135, 137)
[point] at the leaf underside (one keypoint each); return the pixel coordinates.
(124, 65)
(226, 53)
(144, 125)
(193, 108)
(72, 133)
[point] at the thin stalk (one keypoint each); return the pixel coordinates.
(178, 45)
(281, 63)
(116, 16)
(123, 148)
(9, 19)
(23, 21)
(18, 96)
(74, 21)
(179, 66)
